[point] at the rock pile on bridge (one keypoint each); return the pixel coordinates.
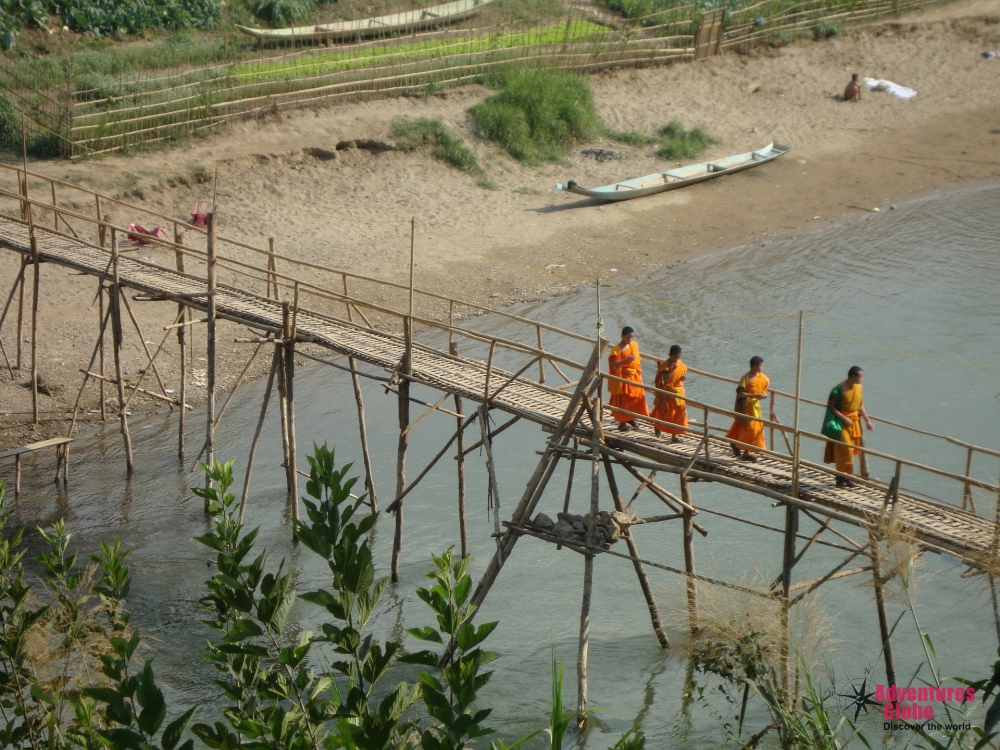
(611, 526)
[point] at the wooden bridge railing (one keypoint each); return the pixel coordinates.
(251, 265)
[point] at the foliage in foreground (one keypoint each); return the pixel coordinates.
(412, 135)
(678, 143)
(537, 114)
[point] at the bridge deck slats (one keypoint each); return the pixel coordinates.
(936, 523)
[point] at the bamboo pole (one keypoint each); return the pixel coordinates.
(55, 212)
(286, 324)
(689, 561)
(494, 491)
(20, 313)
(878, 581)
(272, 279)
(404, 422)
(460, 459)
(588, 569)
(541, 361)
(283, 411)
(788, 562)
(362, 422)
(100, 348)
(183, 310)
(290, 402)
(210, 347)
(796, 439)
(633, 550)
(967, 500)
(36, 277)
(275, 361)
(18, 283)
(116, 340)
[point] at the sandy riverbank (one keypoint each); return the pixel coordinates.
(525, 240)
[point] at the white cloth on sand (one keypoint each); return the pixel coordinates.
(903, 92)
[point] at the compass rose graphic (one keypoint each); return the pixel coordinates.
(858, 699)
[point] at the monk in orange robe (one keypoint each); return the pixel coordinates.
(670, 376)
(749, 393)
(844, 411)
(624, 362)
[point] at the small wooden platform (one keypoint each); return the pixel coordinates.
(16, 453)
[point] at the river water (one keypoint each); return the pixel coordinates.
(920, 280)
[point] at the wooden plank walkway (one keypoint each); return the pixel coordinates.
(938, 524)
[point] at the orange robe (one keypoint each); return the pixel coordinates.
(842, 456)
(747, 429)
(625, 395)
(666, 408)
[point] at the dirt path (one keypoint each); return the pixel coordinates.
(525, 240)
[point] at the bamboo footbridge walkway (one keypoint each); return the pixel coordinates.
(317, 315)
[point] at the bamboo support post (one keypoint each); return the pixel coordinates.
(20, 314)
(17, 477)
(460, 459)
(689, 561)
(878, 582)
(493, 502)
(967, 501)
(796, 437)
(18, 284)
(863, 468)
(290, 400)
(403, 411)
(181, 334)
(541, 360)
(55, 212)
(100, 347)
(773, 416)
(362, 422)
(283, 413)
(36, 278)
(633, 550)
(569, 481)
(588, 568)
(256, 435)
(116, 340)
(211, 261)
(788, 562)
(272, 278)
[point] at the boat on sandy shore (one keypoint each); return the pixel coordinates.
(638, 187)
(414, 20)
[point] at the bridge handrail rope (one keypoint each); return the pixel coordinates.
(324, 293)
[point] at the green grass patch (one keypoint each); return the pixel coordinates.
(537, 114)
(631, 137)
(412, 135)
(678, 143)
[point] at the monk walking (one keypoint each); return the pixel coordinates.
(844, 411)
(670, 376)
(853, 91)
(749, 429)
(624, 362)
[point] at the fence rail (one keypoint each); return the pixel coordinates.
(158, 105)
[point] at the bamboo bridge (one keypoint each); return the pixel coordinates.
(320, 312)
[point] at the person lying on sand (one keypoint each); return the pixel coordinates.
(853, 91)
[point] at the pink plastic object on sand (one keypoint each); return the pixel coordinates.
(136, 233)
(198, 219)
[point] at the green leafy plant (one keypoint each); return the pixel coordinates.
(631, 137)
(70, 676)
(450, 700)
(537, 114)
(678, 143)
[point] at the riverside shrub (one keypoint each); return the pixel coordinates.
(537, 114)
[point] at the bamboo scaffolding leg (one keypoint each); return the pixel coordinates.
(996, 605)
(494, 491)
(404, 423)
(116, 341)
(286, 436)
(788, 562)
(583, 651)
(18, 284)
(290, 402)
(633, 550)
(689, 566)
(181, 334)
(283, 413)
(100, 348)
(34, 323)
(569, 482)
(362, 421)
(210, 348)
(878, 582)
(460, 459)
(256, 435)
(536, 484)
(20, 315)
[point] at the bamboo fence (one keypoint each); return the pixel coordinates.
(154, 105)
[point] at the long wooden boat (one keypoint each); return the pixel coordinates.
(414, 20)
(638, 187)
